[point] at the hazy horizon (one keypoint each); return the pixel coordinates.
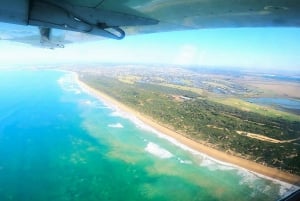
(245, 48)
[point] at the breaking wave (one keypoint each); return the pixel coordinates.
(117, 125)
(67, 83)
(252, 179)
(156, 150)
(184, 161)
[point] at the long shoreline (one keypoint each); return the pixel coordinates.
(216, 154)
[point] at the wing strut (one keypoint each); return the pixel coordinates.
(83, 19)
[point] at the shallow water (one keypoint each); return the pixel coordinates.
(57, 142)
(285, 104)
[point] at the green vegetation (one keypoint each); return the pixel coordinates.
(246, 106)
(209, 122)
(192, 89)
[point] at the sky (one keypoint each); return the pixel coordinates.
(269, 48)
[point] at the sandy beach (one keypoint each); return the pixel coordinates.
(243, 163)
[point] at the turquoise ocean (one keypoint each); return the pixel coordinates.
(60, 143)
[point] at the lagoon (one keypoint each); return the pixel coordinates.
(285, 104)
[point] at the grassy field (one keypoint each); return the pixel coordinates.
(274, 88)
(129, 79)
(250, 107)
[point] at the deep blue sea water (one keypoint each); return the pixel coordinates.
(58, 142)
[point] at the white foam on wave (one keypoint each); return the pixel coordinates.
(248, 178)
(212, 164)
(67, 83)
(184, 161)
(206, 160)
(286, 189)
(117, 114)
(209, 164)
(87, 102)
(116, 125)
(93, 104)
(251, 179)
(102, 107)
(156, 150)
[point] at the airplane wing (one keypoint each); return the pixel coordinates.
(115, 19)
(206, 14)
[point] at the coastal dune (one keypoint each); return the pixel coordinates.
(219, 155)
